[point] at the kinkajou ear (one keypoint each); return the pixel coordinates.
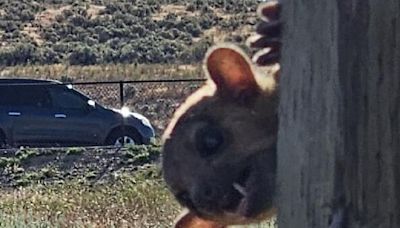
(190, 220)
(230, 69)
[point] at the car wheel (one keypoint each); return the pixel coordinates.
(123, 139)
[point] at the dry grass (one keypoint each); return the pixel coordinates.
(104, 72)
(33, 32)
(94, 11)
(178, 10)
(48, 16)
(136, 200)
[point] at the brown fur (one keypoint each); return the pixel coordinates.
(189, 220)
(234, 103)
(219, 155)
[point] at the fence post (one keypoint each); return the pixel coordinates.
(121, 93)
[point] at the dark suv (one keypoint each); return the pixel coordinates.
(48, 113)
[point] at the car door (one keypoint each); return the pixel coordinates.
(76, 122)
(29, 115)
(6, 103)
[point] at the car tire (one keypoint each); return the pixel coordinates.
(120, 138)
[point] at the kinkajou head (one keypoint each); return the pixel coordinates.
(219, 156)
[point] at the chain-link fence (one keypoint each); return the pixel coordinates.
(157, 100)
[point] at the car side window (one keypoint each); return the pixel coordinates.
(25, 96)
(7, 96)
(34, 96)
(66, 98)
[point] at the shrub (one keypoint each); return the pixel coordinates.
(27, 15)
(20, 54)
(194, 29)
(82, 55)
(48, 56)
(122, 32)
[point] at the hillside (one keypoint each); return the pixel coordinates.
(90, 32)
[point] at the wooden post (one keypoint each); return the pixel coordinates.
(339, 134)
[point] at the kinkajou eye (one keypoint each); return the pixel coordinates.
(209, 140)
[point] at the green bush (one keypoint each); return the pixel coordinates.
(83, 55)
(123, 32)
(20, 54)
